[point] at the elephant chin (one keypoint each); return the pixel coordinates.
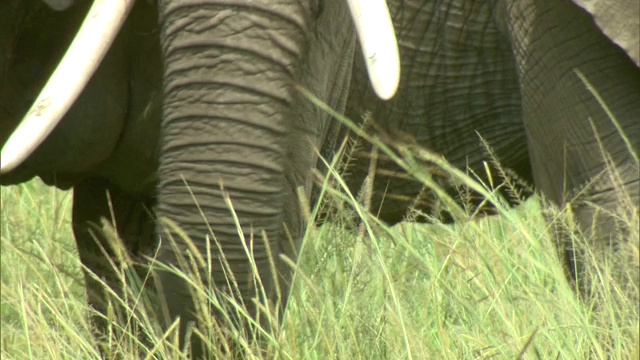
(101, 25)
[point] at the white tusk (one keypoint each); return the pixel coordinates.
(99, 29)
(379, 46)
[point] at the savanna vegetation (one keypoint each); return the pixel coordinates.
(491, 287)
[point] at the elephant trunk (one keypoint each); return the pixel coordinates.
(228, 81)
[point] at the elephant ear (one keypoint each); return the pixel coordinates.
(619, 20)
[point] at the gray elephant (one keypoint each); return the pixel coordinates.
(184, 116)
(502, 69)
(510, 72)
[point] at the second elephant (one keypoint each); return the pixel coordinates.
(554, 96)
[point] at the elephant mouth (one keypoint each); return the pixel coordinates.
(100, 27)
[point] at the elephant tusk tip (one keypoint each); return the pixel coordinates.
(385, 78)
(379, 45)
(15, 152)
(8, 162)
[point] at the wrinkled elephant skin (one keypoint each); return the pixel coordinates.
(223, 111)
(510, 72)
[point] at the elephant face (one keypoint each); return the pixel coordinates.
(222, 132)
(240, 139)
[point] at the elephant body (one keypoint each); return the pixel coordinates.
(459, 78)
(508, 73)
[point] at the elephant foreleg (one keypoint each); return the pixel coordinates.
(99, 207)
(580, 110)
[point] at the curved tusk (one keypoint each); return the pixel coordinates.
(99, 29)
(379, 46)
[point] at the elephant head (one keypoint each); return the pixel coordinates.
(237, 141)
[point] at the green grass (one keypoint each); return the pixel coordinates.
(483, 288)
(491, 288)
(43, 306)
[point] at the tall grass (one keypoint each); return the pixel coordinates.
(483, 288)
(43, 306)
(478, 289)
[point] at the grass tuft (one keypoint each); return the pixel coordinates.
(483, 287)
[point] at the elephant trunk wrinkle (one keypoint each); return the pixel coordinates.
(235, 167)
(189, 116)
(277, 10)
(261, 53)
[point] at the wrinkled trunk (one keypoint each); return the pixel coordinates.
(229, 71)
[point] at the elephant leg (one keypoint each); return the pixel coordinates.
(580, 109)
(95, 201)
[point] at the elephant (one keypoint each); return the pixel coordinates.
(190, 100)
(511, 72)
(191, 119)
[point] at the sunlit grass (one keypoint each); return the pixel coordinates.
(43, 303)
(491, 287)
(477, 289)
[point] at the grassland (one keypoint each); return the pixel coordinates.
(490, 288)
